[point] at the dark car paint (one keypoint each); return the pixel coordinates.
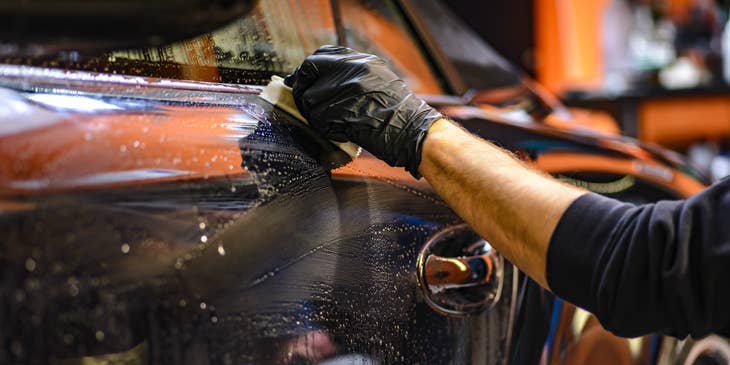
(311, 260)
(290, 251)
(294, 254)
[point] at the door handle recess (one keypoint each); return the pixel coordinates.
(460, 273)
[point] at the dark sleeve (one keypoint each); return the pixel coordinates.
(661, 267)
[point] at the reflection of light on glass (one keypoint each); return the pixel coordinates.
(74, 103)
(30, 264)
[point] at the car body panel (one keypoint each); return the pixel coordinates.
(199, 230)
(146, 166)
(176, 221)
(154, 130)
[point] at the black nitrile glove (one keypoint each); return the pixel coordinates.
(352, 96)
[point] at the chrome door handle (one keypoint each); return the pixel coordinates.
(460, 273)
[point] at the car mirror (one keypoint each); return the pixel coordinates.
(36, 27)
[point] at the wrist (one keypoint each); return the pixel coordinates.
(438, 127)
(414, 137)
(441, 133)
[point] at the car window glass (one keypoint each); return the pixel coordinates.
(377, 27)
(273, 39)
(474, 68)
(480, 66)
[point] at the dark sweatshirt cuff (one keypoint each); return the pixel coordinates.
(576, 246)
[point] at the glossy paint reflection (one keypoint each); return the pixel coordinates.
(274, 261)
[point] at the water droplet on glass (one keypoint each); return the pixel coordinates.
(214, 319)
(204, 238)
(203, 305)
(16, 348)
(201, 225)
(221, 250)
(99, 336)
(125, 248)
(19, 295)
(30, 264)
(68, 338)
(135, 144)
(123, 148)
(183, 303)
(32, 284)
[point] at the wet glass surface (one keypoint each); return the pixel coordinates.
(274, 261)
(480, 66)
(274, 38)
(378, 27)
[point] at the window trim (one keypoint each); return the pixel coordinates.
(440, 61)
(339, 24)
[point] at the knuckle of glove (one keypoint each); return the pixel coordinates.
(328, 48)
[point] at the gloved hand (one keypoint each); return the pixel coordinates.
(352, 96)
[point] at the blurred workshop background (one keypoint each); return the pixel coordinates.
(659, 68)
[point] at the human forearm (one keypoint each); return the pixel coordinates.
(512, 206)
(350, 95)
(639, 268)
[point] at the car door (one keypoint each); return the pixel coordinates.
(163, 221)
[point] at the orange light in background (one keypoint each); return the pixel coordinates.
(568, 52)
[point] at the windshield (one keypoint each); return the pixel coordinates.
(379, 28)
(273, 39)
(260, 44)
